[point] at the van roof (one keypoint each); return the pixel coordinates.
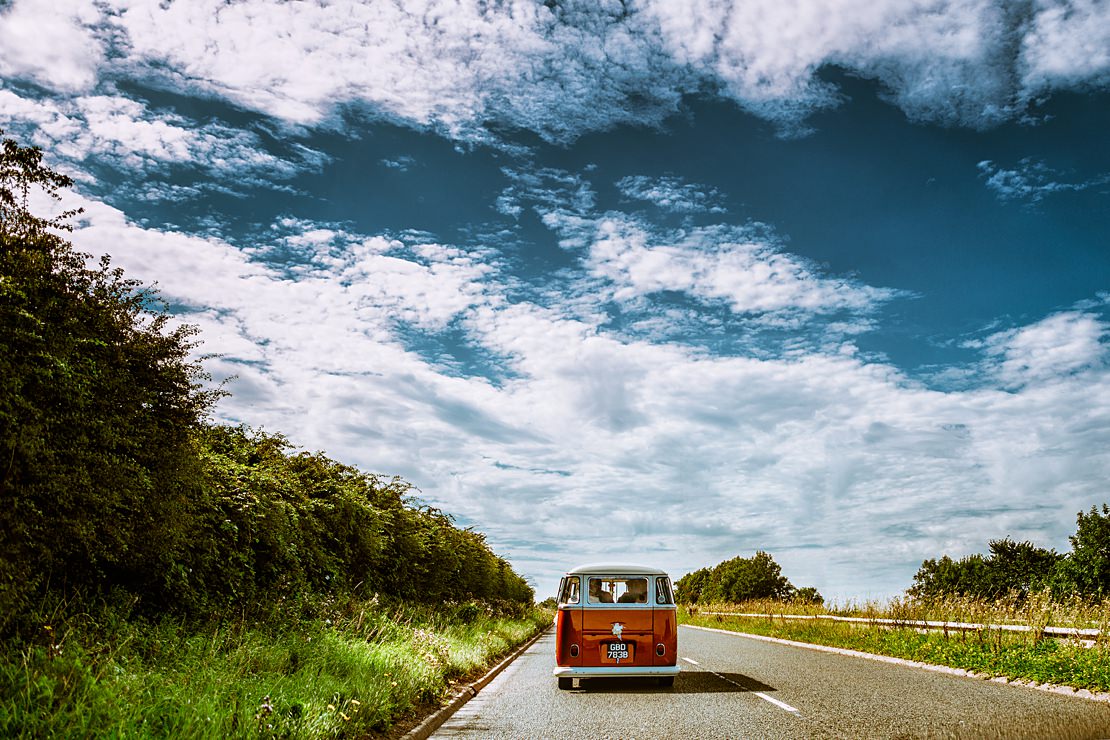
(617, 569)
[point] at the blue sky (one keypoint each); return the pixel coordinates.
(656, 281)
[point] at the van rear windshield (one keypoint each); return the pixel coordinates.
(612, 590)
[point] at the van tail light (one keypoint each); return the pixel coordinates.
(660, 649)
(574, 651)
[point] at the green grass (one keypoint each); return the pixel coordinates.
(1028, 656)
(351, 671)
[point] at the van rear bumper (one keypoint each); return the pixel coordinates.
(614, 671)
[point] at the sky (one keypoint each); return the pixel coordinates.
(645, 281)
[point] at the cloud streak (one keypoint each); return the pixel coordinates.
(1031, 180)
(567, 68)
(695, 456)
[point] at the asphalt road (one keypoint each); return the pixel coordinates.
(735, 687)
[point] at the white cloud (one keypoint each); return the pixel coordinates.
(51, 42)
(1031, 180)
(1067, 45)
(687, 458)
(127, 134)
(672, 194)
(569, 69)
(718, 263)
(1055, 347)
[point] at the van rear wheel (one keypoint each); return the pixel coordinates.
(666, 681)
(566, 683)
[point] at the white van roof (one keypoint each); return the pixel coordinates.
(616, 569)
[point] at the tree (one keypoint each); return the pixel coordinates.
(738, 579)
(98, 399)
(1087, 569)
(1018, 568)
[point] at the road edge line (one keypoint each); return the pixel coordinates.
(1023, 683)
(432, 722)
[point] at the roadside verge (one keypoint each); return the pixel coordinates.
(432, 722)
(1051, 688)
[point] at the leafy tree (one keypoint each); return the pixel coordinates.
(689, 588)
(1019, 567)
(738, 579)
(809, 595)
(1087, 569)
(98, 401)
(110, 476)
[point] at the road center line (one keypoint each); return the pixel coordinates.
(776, 702)
(760, 694)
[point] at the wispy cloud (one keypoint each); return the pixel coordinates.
(433, 357)
(700, 455)
(1056, 347)
(125, 134)
(564, 69)
(1032, 180)
(672, 194)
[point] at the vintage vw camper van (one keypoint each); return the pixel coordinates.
(616, 620)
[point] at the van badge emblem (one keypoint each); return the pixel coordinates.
(617, 629)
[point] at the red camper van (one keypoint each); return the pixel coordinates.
(614, 621)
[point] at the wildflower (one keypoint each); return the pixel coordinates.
(356, 702)
(331, 707)
(345, 717)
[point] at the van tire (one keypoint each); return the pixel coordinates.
(666, 681)
(566, 683)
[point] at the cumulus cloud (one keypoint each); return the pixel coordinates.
(52, 42)
(734, 265)
(695, 456)
(1067, 44)
(353, 342)
(742, 267)
(1055, 347)
(567, 68)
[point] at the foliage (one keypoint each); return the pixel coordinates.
(1087, 568)
(328, 668)
(740, 579)
(111, 477)
(1022, 568)
(98, 403)
(1011, 567)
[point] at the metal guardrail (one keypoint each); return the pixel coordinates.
(954, 626)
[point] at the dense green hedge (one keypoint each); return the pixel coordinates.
(112, 479)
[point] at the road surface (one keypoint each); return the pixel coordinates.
(736, 687)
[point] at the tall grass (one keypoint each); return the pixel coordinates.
(350, 670)
(1031, 656)
(1036, 610)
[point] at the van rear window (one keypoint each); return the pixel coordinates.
(663, 593)
(609, 590)
(569, 593)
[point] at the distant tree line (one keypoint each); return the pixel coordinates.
(741, 579)
(1021, 568)
(112, 478)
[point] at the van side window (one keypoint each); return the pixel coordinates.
(570, 591)
(663, 593)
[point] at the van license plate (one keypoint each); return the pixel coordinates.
(618, 651)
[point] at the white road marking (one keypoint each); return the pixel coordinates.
(776, 702)
(760, 694)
